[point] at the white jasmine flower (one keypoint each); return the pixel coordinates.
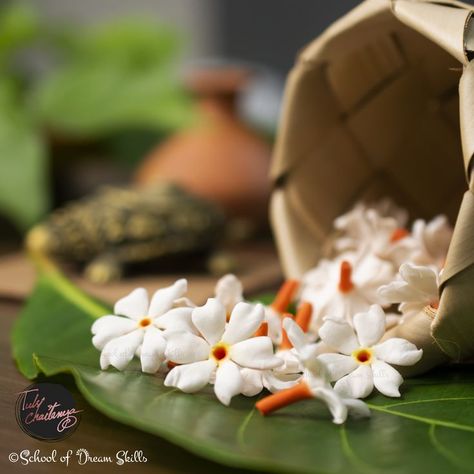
(229, 291)
(141, 330)
(312, 384)
(350, 222)
(368, 233)
(296, 338)
(316, 375)
(339, 405)
(254, 381)
(345, 289)
(392, 320)
(433, 239)
(351, 228)
(355, 227)
(304, 351)
(275, 311)
(386, 207)
(363, 362)
(273, 321)
(317, 277)
(291, 363)
(221, 351)
(386, 239)
(417, 288)
(287, 374)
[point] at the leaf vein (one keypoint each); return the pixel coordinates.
(358, 463)
(415, 402)
(243, 427)
(422, 419)
(445, 452)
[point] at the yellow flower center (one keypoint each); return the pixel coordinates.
(363, 355)
(220, 352)
(144, 322)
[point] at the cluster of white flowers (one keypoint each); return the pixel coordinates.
(331, 350)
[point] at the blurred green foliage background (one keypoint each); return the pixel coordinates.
(103, 83)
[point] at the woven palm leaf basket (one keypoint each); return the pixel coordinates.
(382, 104)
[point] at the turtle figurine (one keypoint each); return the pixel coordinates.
(117, 227)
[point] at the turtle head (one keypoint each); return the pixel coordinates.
(40, 239)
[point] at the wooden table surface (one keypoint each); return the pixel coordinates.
(98, 434)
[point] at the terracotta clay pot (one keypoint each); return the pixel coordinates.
(219, 158)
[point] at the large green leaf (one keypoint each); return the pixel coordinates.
(430, 429)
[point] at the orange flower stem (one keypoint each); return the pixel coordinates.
(285, 295)
(345, 280)
(285, 341)
(284, 398)
(399, 234)
(303, 316)
(262, 330)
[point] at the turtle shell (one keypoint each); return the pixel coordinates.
(371, 110)
(134, 225)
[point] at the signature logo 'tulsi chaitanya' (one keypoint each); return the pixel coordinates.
(47, 411)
